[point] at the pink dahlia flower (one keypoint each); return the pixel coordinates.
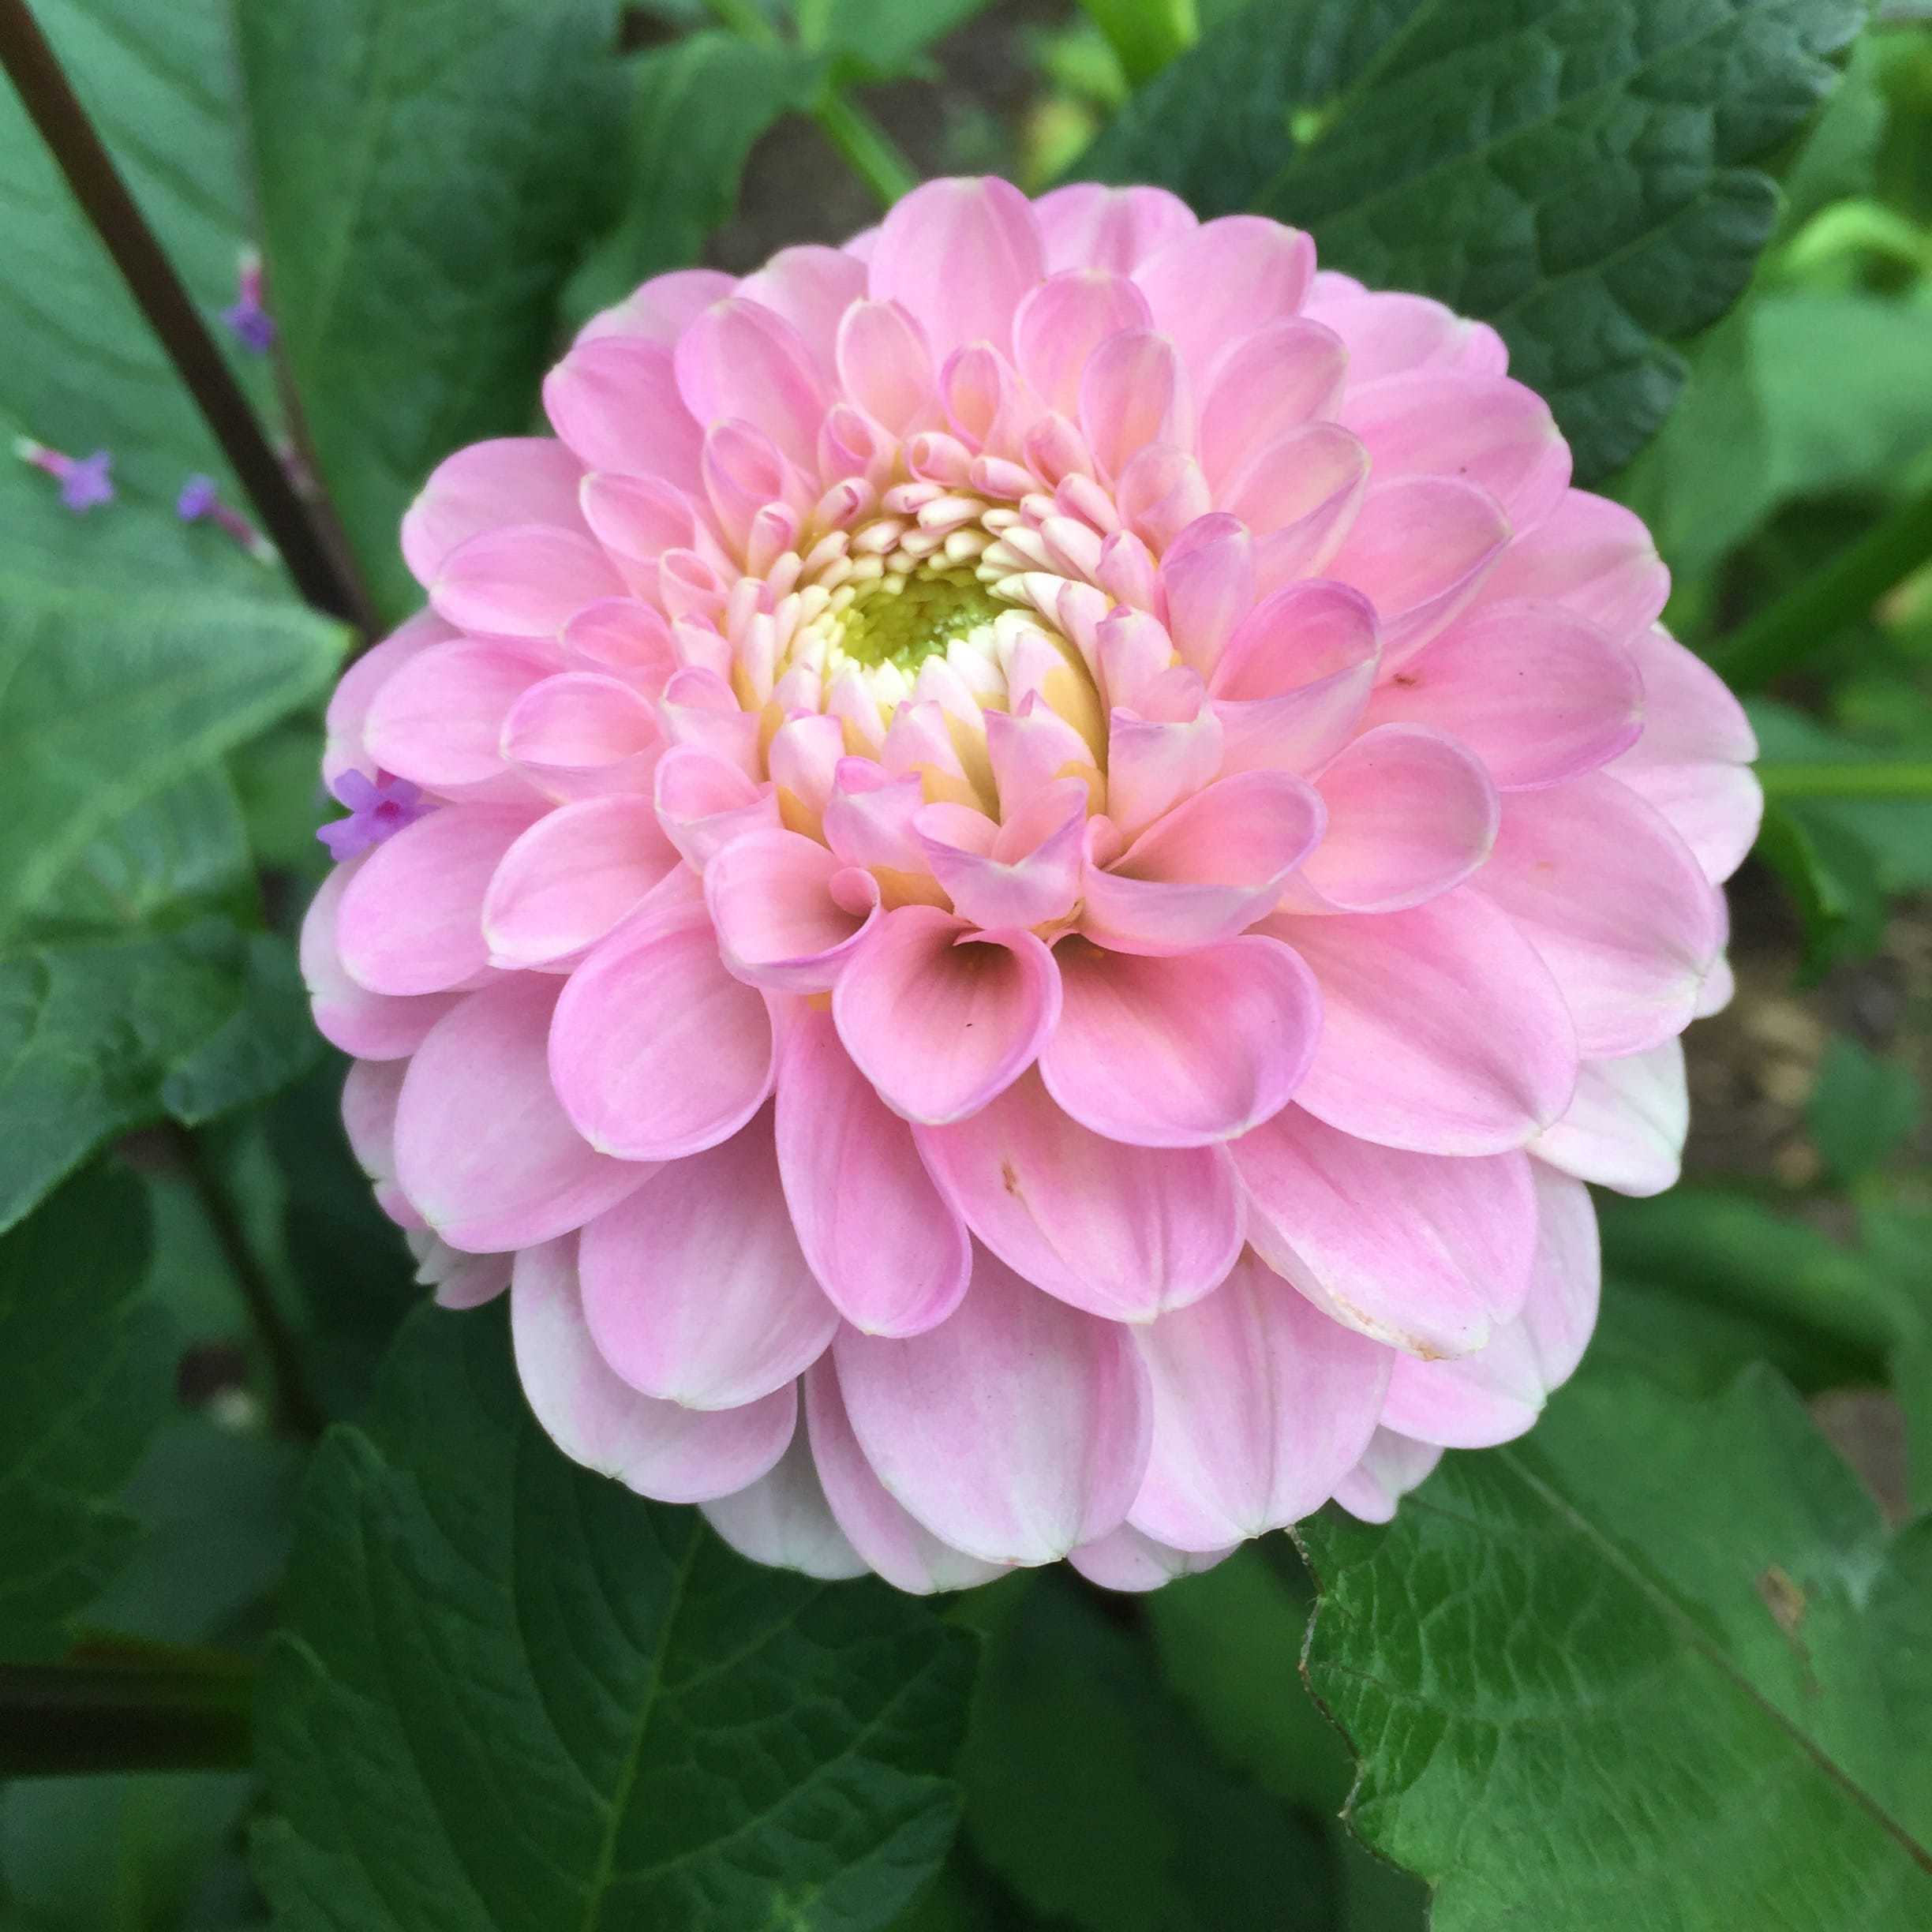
(1040, 853)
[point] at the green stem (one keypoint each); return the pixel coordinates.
(1904, 782)
(126, 1708)
(870, 151)
(745, 21)
(1844, 590)
(1145, 35)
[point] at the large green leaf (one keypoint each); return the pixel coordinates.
(514, 1695)
(83, 1379)
(428, 171)
(1576, 172)
(1657, 1668)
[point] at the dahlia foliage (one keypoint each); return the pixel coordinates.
(1013, 886)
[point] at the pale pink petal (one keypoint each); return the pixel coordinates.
(1134, 391)
(373, 1026)
(890, 1253)
(1063, 321)
(526, 580)
(1153, 763)
(369, 1108)
(1124, 1232)
(348, 707)
(1719, 989)
(894, 1543)
(1031, 750)
(1411, 814)
(583, 734)
(1389, 334)
(1028, 870)
(1625, 1129)
(482, 1148)
(1207, 579)
(941, 1019)
(704, 802)
(959, 254)
(1295, 678)
(661, 309)
(1495, 1394)
(657, 1051)
(783, 1519)
(885, 367)
(1015, 1430)
(485, 487)
(572, 877)
(660, 1449)
(1715, 809)
(1425, 1252)
(1300, 495)
(695, 1288)
(438, 721)
(1391, 1467)
(739, 360)
(1171, 1053)
(1616, 904)
(788, 913)
(1442, 1028)
(627, 637)
(614, 400)
(1538, 693)
(1592, 557)
(1086, 226)
(1125, 1560)
(636, 519)
(1273, 382)
(811, 287)
(1213, 285)
(411, 919)
(1261, 1406)
(461, 1281)
(1160, 493)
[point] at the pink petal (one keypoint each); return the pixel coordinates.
(1300, 494)
(526, 580)
(1153, 763)
(784, 1520)
(1207, 578)
(1209, 869)
(1261, 1406)
(1217, 284)
(1410, 814)
(695, 1288)
(661, 309)
(958, 255)
(908, 1556)
(1715, 809)
(1123, 1232)
(1134, 391)
(890, 1253)
(704, 802)
(1063, 321)
(1488, 429)
(657, 1051)
(1171, 1053)
(372, 1026)
(572, 878)
(614, 400)
(1125, 1560)
(738, 360)
(1038, 882)
(1391, 1467)
(507, 480)
(482, 1148)
(1495, 1394)
(348, 706)
(581, 734)
(1031, 750)
(438, 720)
(1389, 334)
(1625, 1129)
(1015, 1430)
(627, 637)
(659, 1449)
(1425, 1252)
(940, 1019)
(411, 919)
(1295, 678)
(370, 1092)
(1616, 904)
(1537, 694)
(1086, 226)
(1442, 1028)
(788, 913)
(885, 366)
(1591, 556)
(1273, 382)
(637, 519)
(460, 1280)
(812, 288)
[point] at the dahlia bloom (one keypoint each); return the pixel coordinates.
(1037, 855)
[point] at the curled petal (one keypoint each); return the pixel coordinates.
(1134, 391)
(1063, 321)
(788, 913)
(527, 581)
(1295, 678)
(739, 360)
(1274, 382)
(1024, 872)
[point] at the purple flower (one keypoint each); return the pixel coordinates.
(379, 808)
(253, 327)
(84, 481)
(198, 499)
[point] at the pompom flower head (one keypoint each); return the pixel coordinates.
(1036, 856)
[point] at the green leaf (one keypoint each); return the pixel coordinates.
(1863, 1109)
(513, 1695)
(698, 109)
(428, 171)
(880, 40)
(106, 700)
(1655, 1667)
(82, 371)
(98, 1036)
(83, 1379)
(1575, 171)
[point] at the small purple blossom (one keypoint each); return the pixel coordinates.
(196, 499)
(252, 325)
(379, 808)
(84, 481)
(200, 501)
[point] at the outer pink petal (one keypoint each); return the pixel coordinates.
(615, 401)
(1715, 809)
(349, 704)
(1086, 226)
(484, 487)
(1616, 904)
(1214, 284)
(1134, 391)
(739, 360)
(1261, 1406)
(885, 367)
(811, 287)
(438, 720)
(461, 1281)
(704, 802)
(1300, 494)
(1063, 321)
(1625, 1129)
(1592, 557)
(1125, 1560)
(411, 919)
(525, 581)
(1425, 1252)
(1014, 1431)
(1274, 381)
(896, 1544)
(941, 1019)
(1392, 1466)
(958, 255)
(1172, 1053)
(1496, 1395)
(572, 878)
(788, 913)
(783, 1519)
(374, 1026)
(1389, 334)
(1295, 678)
(661, 309)
(1442, 1030)
(890, 1254)
(695, 1289)
(482, 1148)
(1124, 1232)
(659, 1449)
(657, 1051)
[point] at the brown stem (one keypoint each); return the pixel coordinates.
(324, 577)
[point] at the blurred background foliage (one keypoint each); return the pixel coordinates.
(196, 1301)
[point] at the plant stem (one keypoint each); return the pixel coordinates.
(324, 579)
(870, 151)
(121, 1707)
(1844, 590)
(297, 1409)
(1145, 35)
(1876, 780)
